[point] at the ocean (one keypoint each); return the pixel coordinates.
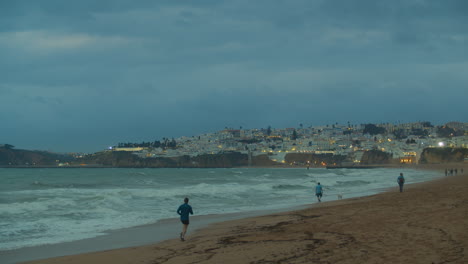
(49, 206)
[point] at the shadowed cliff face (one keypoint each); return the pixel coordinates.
(127, 159)
(376, 157)
(20, 157)
(443, 155)
(314, 159)
(14, 157)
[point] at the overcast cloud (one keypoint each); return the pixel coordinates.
(83, 75)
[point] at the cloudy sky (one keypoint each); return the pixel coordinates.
(83, 75)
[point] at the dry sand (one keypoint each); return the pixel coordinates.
(427, 223)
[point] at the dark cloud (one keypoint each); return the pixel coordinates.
(81, 75)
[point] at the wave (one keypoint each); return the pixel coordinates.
(39, 184)
(351, 183)
(325, 175)
(50, 208)
(289, 187)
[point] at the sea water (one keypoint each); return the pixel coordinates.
(47, 206)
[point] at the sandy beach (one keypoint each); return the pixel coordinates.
(427, 223)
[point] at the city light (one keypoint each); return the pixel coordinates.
(330, 142)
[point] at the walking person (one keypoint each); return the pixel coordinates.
(184, 210)
(319, 191)
(401, 181)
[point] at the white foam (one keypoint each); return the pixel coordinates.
(52, 213)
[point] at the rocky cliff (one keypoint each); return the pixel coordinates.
(443, 155)
(20, 157)
(127, 159)
(373, 157)
(314, 159)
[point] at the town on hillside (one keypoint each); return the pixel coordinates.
(403, 142)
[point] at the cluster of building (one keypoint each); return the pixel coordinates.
(403, 141)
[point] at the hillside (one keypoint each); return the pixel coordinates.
(124, 159)
(443, 155)
(10, 157)
(21, 157)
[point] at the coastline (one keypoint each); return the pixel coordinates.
(136, 236)
(440, 166)
(427, 215)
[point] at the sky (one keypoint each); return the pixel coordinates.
(79, 76)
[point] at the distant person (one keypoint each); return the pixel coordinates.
(401, 181)
(184, 210)
(446, 172)
(318, 191)
(456, 171)
(461, 170)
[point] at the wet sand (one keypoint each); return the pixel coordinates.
(427, 223)
(123, 238)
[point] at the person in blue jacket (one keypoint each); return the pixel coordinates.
(318, 191)
(401, 181)
(184, 210)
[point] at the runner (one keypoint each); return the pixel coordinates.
(184, 210)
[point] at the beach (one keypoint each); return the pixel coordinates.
(426, 223)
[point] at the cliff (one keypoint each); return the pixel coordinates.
(373, 157)
(20, 157)
(314, 159)
(127, 159)
(443, 155)
(27, 158)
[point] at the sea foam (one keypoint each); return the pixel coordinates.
(56, 205)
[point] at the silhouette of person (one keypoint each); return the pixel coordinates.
(318, 191)
(184, 210)
(401, 181)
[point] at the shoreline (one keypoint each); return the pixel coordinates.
(136, 236)
(434, 166)
(227, 229)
